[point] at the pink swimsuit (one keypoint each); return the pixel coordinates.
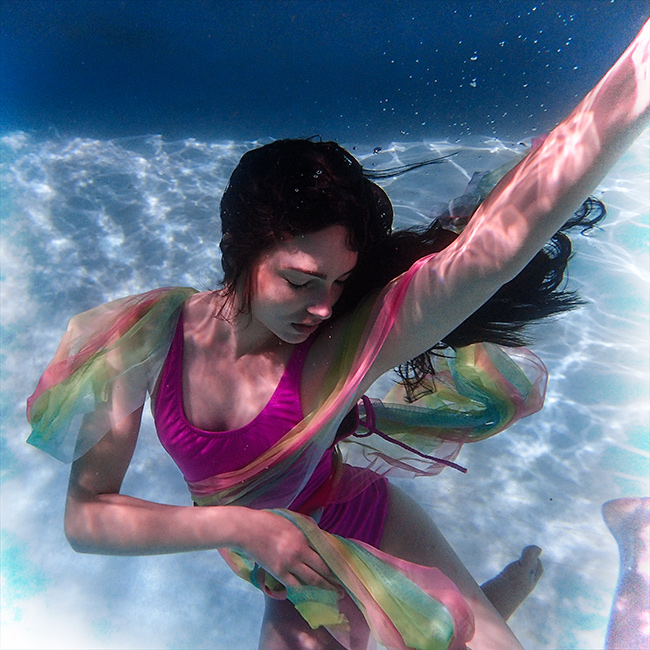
(200, 454)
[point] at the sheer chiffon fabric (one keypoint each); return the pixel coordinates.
(111, 357)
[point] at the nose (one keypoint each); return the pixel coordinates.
(322, 304)
(321, 309)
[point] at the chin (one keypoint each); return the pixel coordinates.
(295, 338)
(295, 335)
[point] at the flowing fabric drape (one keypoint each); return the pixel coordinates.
(110, 359)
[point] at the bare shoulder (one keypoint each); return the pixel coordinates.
(197, 308)
(201, 327)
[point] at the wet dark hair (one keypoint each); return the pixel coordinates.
(292, 187)
(537, 292)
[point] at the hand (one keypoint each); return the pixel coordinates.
(282, 550)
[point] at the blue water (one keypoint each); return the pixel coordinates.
(121, 124)
(359, 70)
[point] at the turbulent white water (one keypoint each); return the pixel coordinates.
(85, 221)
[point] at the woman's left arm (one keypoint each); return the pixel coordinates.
(524, 210)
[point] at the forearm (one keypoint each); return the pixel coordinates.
(525, 209)
(535, 199)
(116, 524)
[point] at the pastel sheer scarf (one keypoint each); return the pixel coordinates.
(110, 359)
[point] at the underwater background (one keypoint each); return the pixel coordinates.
(120, 123)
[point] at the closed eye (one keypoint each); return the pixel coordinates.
(305, 285)
(296, 285)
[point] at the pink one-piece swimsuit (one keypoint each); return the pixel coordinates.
(200, 454)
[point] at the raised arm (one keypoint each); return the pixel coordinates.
(525, 209)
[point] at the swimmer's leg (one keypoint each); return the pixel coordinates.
(283, 628)
(511, 587)
(409, 533)
(629, 624)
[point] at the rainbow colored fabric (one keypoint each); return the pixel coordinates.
(111, 356)
(106, 363)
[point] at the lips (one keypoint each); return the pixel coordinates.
(305, 328)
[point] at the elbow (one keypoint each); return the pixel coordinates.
(77, 540)
(79, 544)
(77, 529)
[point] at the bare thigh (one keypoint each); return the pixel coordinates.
(410, 534)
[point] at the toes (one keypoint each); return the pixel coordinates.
(530, 555)
(530, 562)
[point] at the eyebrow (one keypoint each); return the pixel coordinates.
(316, 274)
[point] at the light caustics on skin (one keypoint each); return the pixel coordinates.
(551, 182)
(532, 157)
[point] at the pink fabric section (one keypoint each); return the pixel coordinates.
(67, 361)
(361, 517)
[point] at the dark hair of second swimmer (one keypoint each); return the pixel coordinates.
(292, 187)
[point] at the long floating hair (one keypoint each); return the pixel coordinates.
(536, 293)
(298, 186)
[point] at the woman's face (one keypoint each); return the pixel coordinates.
(297, 282)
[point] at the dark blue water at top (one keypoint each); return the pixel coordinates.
(355, 71)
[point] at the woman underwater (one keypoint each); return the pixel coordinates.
(253, 385)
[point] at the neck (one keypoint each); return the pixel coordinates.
(244, 335)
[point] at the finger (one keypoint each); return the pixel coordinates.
(302, 574)
(530, 561)
(307, 576)
(317, 563)
(290, 580)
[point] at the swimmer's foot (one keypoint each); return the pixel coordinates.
(629, 521)
(510, 588)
